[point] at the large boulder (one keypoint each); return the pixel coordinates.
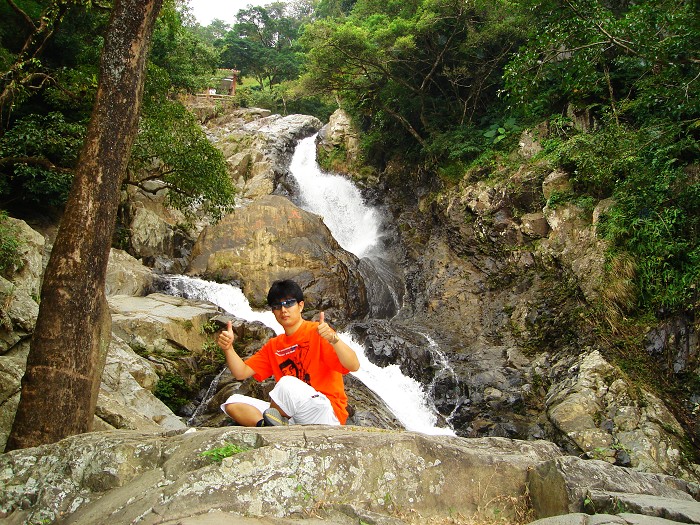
(126, 397)
(126, 275)
(11, 372)
(28, 273)
(272, 239)
(126, 400)
(156, 232)
(123, 477)
(568, 484)
(17, 315)
(611, 419)
(338, 143)
(320, 474)
(161, 324)
(572, 239)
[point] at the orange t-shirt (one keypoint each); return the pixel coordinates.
(307, 356)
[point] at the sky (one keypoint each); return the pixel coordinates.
(207, 10)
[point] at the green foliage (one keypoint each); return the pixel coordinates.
(185, 59)
(599, 161)
(39, 147)
(263, 45)
(463, 143)
(172, 148)
(412, 70)
(10, 246)
(218, 454)
(172, 390)
(656, 219)
(638, 60)
(38, 154)
(285, 99)
(656, 215)
(497, 132)
(212, 358)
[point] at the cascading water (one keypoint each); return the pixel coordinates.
(356, 226)
(445, 372)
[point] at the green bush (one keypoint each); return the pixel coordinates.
(46, 149)
(172, 390)
(657, 220)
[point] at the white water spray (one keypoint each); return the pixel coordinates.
(404, 396)
(353, 224)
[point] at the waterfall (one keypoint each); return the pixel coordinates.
(405, 397)
(337, 200)
(445, 371)
(356, 226)
(192, 421)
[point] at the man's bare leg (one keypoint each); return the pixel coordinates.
(244, 414)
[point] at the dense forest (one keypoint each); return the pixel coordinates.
(442, 87)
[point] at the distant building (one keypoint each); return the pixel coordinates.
(228, 84)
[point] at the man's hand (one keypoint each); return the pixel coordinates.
(225, 338)
(326, 331)
(235, 364)
(346, 355)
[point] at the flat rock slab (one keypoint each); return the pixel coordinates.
(681, 510)
(290, 473)
(603, 519)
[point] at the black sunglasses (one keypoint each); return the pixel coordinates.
(287, 303)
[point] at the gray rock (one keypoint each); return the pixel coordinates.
(340, 134)
(161, 323)
(126, 275)
(556, 182)
(27, 275)
(122, 477)
(528, 144)
(560, 486)
(534, 225)
(259, 146)
(604, 414)
(674, 509)
(126, 400)
(11, 372)
(603, 519)
(17, 316)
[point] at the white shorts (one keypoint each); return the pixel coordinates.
(304, 404)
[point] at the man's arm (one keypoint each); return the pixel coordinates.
(234, 362)
(346, 355)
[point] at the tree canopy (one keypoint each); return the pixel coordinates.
(262, 44)
(49, 87)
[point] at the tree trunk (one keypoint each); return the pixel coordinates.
(73, 330)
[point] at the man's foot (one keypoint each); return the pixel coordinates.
(273, 418)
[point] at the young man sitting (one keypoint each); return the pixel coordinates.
(308, 362)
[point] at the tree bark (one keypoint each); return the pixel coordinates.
(73, 330)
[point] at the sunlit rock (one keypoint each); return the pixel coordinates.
(272, 239)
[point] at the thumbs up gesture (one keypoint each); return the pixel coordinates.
(325, 331)
(226, 337)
